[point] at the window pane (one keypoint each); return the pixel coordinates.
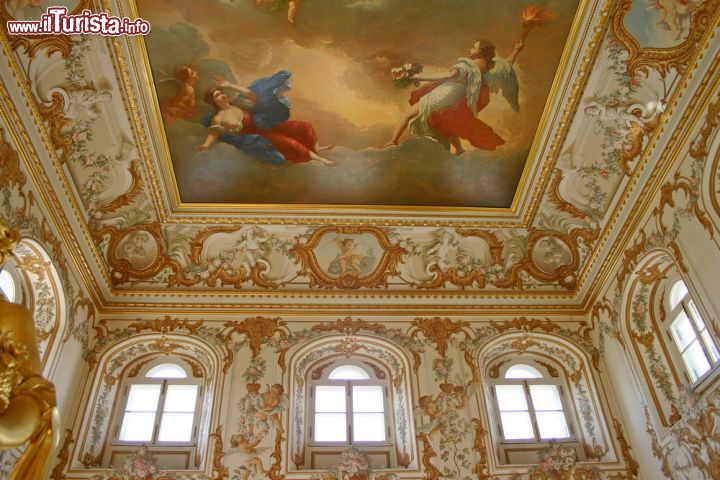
(330, 398)
(143, 398)
(330, 427)
(348, 372)
(7, 285)
(368, 427)
(695, 360)
(678, 292)
(368, 398)
(167, 370)
(710, 344)
(516, 425)
(696, 315)
(180, 398)
(137, 427)
(522, 371)
(176, 427)
(511, 397)
(552, 425)
(545, 397)
(682, 331)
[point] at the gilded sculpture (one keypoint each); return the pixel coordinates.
(28, 410)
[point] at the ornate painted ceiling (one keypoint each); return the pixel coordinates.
(109, 128)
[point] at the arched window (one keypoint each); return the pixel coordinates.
(530, 405)
(8, 286)
(349, 406)
(688, 331)
(160, 406)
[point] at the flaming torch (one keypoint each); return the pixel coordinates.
(535, 16)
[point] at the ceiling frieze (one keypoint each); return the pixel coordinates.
(600, 147)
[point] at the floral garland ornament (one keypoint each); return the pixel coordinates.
(354, 465)
(559, 462)
(138, 466)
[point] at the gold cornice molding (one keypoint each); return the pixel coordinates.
(305, 310)
(702, 97)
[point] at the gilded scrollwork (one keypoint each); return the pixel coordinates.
(34, 44)
(439, 330)
(699, 19)
(343, 265)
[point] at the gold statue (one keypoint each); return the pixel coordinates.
(27, 401)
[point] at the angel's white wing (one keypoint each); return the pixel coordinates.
(503, 78)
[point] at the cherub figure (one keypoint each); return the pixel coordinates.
(251, 247)
(348, 259)
(673, 13)
(182, 105)
(442, 249)
(271, 405)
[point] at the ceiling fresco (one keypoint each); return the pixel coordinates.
(113, 133)
(345, 68)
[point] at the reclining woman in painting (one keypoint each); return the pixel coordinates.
(256, 122)
(447, 108)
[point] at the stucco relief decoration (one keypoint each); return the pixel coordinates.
(691, 450)
(34, 44)
(456, 257)
(139, 466)
(354, 465)
(593, 430)
(107, 379)
(663, 36)
(559, 462)
(347, 257)
(136, 253)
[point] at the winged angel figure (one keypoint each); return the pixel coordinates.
(446, 108)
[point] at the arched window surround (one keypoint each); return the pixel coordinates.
(645, 320)
(129, 357)
(41, 292)
(335, 347)
(586, 405)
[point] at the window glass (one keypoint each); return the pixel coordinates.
(181, 398)
(683, 331)
(143, 398)
(552, 425)
(348, 372)
(522, 371)
(167, 370)
(714, 355)
(367, 398)
(7, 285)
(677, 293)
(517, 425)
(330, 398)
(545, 397)
(139, 419)
(330, 427)
(176, 427)
(511, 397)
(368, 427)
(137, 426)
(696, 361)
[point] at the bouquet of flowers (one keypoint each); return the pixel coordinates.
(402, 76)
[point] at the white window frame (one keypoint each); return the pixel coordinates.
(142, 379)
(348, 384)
(685, 305)
(546, 379)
